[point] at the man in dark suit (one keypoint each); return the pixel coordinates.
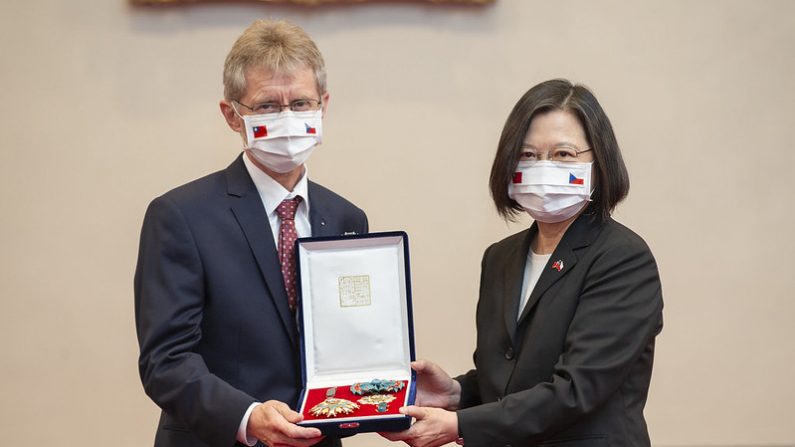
(214, 293)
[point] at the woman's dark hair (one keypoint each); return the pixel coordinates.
(611, 178)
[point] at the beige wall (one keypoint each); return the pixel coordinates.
(106, 106)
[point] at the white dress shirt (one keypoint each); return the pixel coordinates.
(272, 194)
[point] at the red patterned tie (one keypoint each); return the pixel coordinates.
(287, 237)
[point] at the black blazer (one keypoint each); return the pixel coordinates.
(214, 327)
(575, 369)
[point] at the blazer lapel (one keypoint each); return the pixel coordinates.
(513, 277)
(318, 214)
(563, 259)
(250, 214)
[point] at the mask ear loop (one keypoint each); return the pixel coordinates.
(234, 109)
(246, 146)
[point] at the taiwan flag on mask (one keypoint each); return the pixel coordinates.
(310, 129)
(260, 131)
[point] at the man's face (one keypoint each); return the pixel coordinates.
(263, 86)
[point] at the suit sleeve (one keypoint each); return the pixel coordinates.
(169, 301)
(618, 315)
(365, 224)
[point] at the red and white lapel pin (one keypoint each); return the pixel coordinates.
(558, 265)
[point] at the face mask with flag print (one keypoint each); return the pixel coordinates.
(551, 191)
(283, 141)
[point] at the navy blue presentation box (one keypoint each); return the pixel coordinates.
(356, 326)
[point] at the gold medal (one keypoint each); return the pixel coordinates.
(332, 406)
(381, 401)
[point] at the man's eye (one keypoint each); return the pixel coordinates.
(268, 107)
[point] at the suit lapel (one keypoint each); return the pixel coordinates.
(513, 276)
(318, 214)
(563, 259)
(250, 214)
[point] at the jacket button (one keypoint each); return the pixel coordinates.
(509, 354)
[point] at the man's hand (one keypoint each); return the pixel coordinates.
(433, 427)
(273, 423)
(435, 388)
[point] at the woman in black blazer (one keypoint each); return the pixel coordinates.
(568, 309)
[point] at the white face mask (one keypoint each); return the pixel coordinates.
(551, 191)
(283, 141)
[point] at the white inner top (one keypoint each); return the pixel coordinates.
(532, 271)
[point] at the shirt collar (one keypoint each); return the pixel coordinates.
(272, 192)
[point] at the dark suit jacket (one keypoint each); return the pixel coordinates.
(214, 327)
(575, 369)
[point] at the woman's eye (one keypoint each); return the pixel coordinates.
(564, 154)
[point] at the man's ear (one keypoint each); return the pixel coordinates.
(235, 122)
(324, 97)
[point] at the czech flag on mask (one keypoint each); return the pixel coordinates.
(574, 180)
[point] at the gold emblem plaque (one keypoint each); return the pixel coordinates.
(354, 291)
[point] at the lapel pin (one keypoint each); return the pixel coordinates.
(558, 265)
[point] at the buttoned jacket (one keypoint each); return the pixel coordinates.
(573, 369)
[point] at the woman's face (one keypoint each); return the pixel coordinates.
(556, 135)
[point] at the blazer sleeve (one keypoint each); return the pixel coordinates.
(618, 315)
(470, 393)
(169, 301)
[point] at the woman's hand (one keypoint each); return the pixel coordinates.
(433, 427)
(435, 388)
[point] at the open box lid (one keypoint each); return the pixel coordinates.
(355, 316)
